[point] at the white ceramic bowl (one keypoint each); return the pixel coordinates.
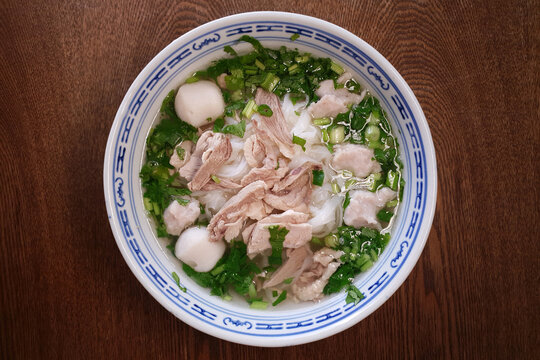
(152, 264)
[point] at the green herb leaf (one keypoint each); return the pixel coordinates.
(237, 129)
(385, 215)
(295, 36)
(353, 295)
(277, 236)
(318, 177)
(230, 50)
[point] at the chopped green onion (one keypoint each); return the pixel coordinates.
(234, 82)
(368, 264)
(336, 68)
(192, 79)
(274, 293)
(362, 259)
(392, 179)
(261, 305)
(288, 281)
(324, 135)
(293, 69)
(335, 188)
(252, 291)
(295, 36)
(349, 183)
(281, 297)
(265, 110)
(215, 178)
(337, 134)
(373, 133)
(385, 215)
(147, 204)
(259, 64)
(318, 177)
(227, 297)
(347, 173)
(317, 241)
(302, 59)
(299, 141)
(176, 279)
(375, 145)
(392, 203)
(218, 270)
(331, 240)
(270, 82)
(373, 255)
(249, 109)
(322, 121)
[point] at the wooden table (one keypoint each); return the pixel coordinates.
(66, 292)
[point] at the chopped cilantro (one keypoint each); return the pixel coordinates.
(229, 50)
(295, 36)
(353, 295)
(237, 129)
(318, 177)
(277, 236)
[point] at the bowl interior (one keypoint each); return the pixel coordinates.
(153, 264)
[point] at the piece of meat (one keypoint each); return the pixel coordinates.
(258, 210)
(293, 191)
(327, 106)
(275, 126)
(295, 176)
(297, 260)
(269, 175)
(224, 184)
(364, 206)
(191, 167)
(266, 154)
(257, 236)
(218, 150)
(326, 87)
(356, 158)
(254, 151)
(310, 284)
(177, 217)
(288, 216)
(225, 222)
(178, 162)
(326, 255)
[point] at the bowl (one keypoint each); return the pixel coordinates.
(153, 264)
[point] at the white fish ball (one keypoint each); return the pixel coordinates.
(195, 249)
(197, 102)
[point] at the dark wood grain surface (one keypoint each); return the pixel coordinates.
(66, 291)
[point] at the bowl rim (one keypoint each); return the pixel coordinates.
(399, 277)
